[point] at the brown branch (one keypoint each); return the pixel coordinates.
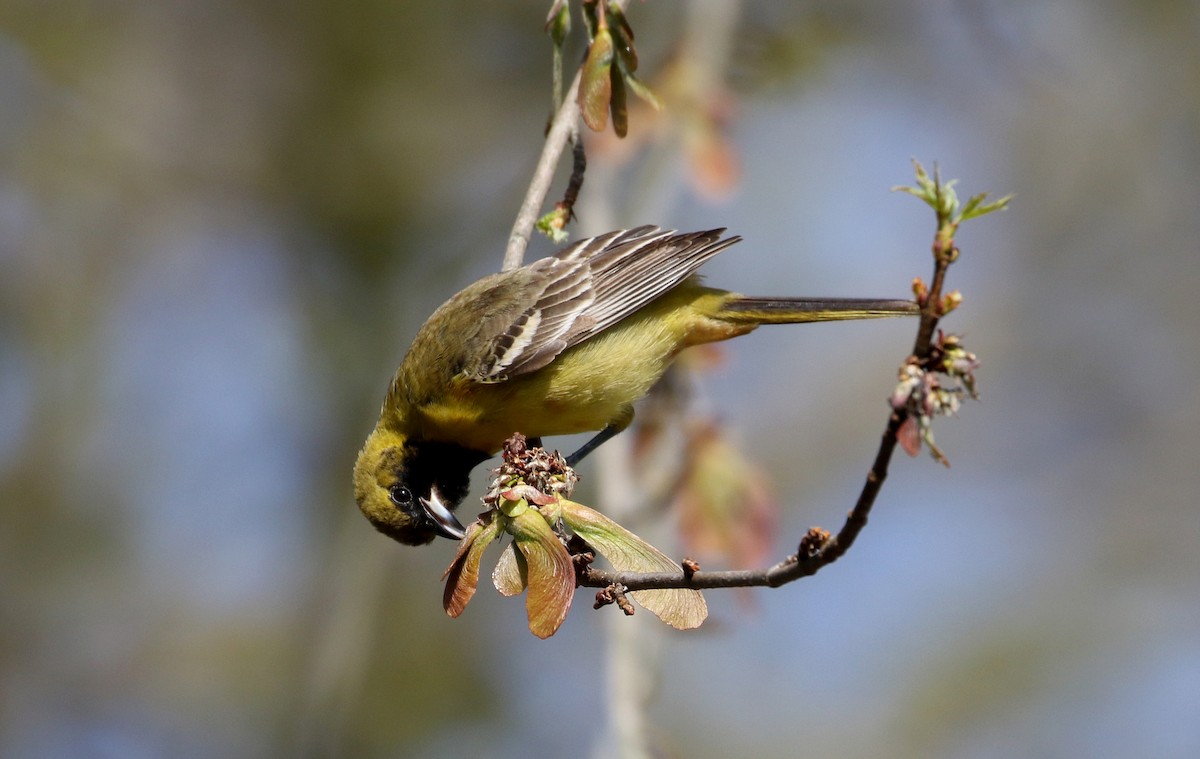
(575, 184)
(817, 549)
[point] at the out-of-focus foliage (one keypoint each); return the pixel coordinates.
(726, 509)
(220, 223)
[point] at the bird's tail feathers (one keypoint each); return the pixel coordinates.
(765, 310)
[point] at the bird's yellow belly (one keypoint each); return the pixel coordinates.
(582, 390)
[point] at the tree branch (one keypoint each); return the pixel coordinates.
(565, 122)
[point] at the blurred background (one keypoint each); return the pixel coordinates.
(222, 222)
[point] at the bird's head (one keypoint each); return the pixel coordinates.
(409, 488)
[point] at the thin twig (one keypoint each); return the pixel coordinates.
(575, 184)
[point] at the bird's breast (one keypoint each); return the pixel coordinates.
(583, 389)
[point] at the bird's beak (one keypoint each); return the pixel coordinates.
(444, 522)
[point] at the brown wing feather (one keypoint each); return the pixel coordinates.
(591, 285)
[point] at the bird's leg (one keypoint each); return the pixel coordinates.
(599, 439)
(615, 427)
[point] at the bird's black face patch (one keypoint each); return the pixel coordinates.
(445, 465)
(431, 479)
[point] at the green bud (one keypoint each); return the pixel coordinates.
(558, 22)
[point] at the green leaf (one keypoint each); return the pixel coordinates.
(942, 197)
(926, 188)
(975, 207)
(510, 572)
(682, 608)
(642, 90)
(462, 576)
(595, 87)
(549, 570)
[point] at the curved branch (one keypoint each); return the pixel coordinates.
(817, 549)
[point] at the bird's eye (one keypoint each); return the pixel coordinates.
(400, 495)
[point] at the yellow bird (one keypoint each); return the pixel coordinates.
(565, 344)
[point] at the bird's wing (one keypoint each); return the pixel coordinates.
(587, 287)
